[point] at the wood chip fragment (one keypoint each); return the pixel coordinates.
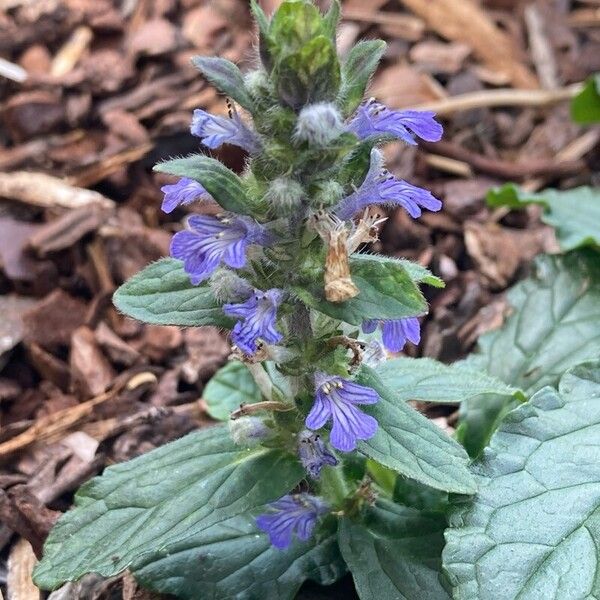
(21, 562)
(72, 50)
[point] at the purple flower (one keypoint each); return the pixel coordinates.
(259, 316)
(313, 453)
(336, 399)
(215, 131)
(185, 191)
(374, 118)
(293, 513)
(381, 187)
(212, 240)
(395, 332)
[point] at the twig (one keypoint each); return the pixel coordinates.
(541, 50)
(12, 71)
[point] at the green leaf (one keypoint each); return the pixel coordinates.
(222, 184)
(533, 529)
(386, 292)
(411, 444)
(230, 387)
(236, 561)
(225, 76)
(139, 512)
(395, 553)
(432, 381)
(332, 19)
(574, 214)
(554, 323)
(163, 295)
(357, 70)
(585, 107)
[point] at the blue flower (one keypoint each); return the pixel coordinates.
(185, 191)
(293, 513)
(212, 240)
(373, 118)
(215, 131)
(382, 188)
(395, 332)
(313, 453)
(336, 399)
(259, 317)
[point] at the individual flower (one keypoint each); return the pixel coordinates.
(293, 513)
(374, 118)
(396, 332)
(212, 240)
(185, 191)
(336, 399)
(381, 188)
(313, 453)
(215, 131)
(319, 124)
(258, 317)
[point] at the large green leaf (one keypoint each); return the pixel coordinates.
(409, 443)
(585, 107)
(138, 511)
(357, 70)
(162, 294)
(230, 387)
(555, 323)
(222, 184)
(432, 381)
(225, 76)
(395, 553)
(533, 529)
(574, 214)
(231, 560)
(387, 291)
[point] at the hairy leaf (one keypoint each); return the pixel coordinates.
(395, 553)
(221, 183)
(417, 273)
(574, 214)
(230, 387)
(411, 444)
(533, 529)
(162, 294)
(136, 512)
(225, 76)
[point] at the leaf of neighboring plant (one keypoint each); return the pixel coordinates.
(225, 76)
(554, 323)
(357, 71)
(480, 416)
(233, 560)
(411, 444)
(221, 183)
(585, 107)
(230, 387)
(533, 529)
(395, 553)
(386, 292)
(162, 294)
(432, 381)
(574, 214)
(128, 517)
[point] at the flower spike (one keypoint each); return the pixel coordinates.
(336, 399)
(373, 118)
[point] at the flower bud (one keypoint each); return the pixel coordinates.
(285, 196)
(226, 286)
(248, 431)
(329, 193)
(257, 83)
(319, 124)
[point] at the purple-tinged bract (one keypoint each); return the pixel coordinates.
(215, 131)
(258, 317)
(291, 514)
(396, 332)
(373, 118)
(336, 399)
(381, 188)
(183, 192)
(314, 453)
(212, 240)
